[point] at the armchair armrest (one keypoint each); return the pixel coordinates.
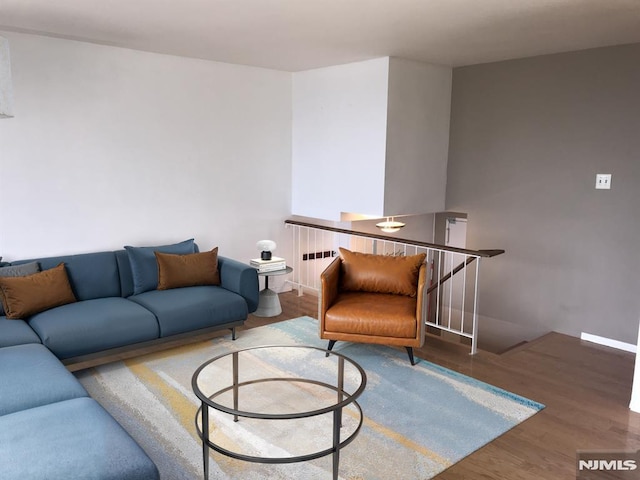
(422, 282)
(241, 279)
(329, 281)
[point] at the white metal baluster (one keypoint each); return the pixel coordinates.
(450, 286)
(306, 270)
(294, 263)
(474, 333)
(315, 258)
(299, 263)
(463, 300)
(438, 317)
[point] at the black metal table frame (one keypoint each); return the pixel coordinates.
(343, 399)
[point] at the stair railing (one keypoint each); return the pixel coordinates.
(451, 303)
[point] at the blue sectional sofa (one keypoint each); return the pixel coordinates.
(49, 427)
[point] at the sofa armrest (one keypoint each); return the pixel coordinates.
(240, 278)
(329, 281)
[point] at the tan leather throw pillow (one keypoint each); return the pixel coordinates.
(175, 271)
(26, 296)
(365, 272)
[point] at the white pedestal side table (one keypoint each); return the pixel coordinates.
(269, 303)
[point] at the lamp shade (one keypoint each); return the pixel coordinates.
(6, 87)
(266, 247)
(390, 225)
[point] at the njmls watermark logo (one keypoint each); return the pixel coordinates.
(607, 465)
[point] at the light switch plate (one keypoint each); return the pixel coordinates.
(603, 181)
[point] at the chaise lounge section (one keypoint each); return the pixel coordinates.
(51, 429)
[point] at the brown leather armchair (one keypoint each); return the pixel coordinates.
(373, 299)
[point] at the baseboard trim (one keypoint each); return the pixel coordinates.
(609, 342)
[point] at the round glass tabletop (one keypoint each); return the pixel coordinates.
(278, 404)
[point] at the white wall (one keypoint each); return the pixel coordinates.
(112, 146)
(370, 138)
(339, 137)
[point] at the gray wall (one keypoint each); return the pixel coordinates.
(527, 139)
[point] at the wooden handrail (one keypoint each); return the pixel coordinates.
(417, 243)
(446, 277)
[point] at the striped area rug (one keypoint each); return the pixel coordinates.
(417, 420)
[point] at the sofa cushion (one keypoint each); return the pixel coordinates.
(32, 376)
(367, 314)
(364, 272)
(124, 273)
(92, 275)
(191, 308)
(94, 325)
(72, 439)
(16, 271)
(16, 332)
(175, 271)
(144, 267)
(25, 296)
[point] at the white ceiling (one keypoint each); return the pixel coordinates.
(298, 35)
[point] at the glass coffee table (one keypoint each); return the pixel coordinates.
(278, 404)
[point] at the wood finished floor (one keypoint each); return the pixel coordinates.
(586, 389)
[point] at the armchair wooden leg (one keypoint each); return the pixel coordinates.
(410, 352)
(331, 344)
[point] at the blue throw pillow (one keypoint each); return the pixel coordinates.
(21, 270)
(144, 266)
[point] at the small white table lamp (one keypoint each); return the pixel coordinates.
(266, 247)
